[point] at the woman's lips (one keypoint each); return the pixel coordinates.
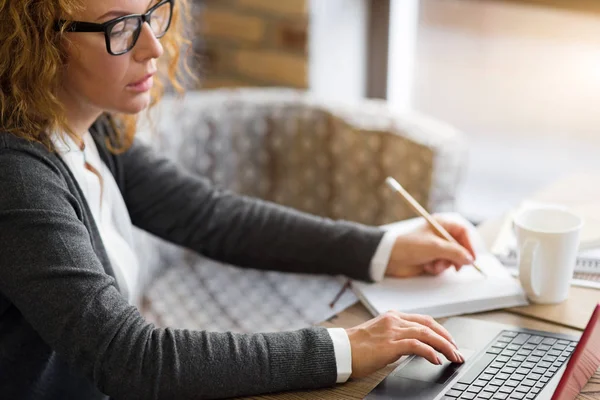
(142, 85)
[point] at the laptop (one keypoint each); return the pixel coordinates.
(502, 362)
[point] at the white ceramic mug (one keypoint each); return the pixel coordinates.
(548, 242)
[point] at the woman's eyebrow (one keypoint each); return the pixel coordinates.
(120, 13)
(113, 14)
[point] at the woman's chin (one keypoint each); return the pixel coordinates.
(137, 105)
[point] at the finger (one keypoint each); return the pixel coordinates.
(452, 252)
(440, 266)
(405, 271)
(430, 268)
(431, 323)
(430, 337)
(436, 267)
(418, 348)
(458, 232)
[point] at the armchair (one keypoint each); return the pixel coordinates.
(291, 148)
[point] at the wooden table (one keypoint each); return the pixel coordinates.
(568, 317)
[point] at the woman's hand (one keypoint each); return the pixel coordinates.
(424, 252)
(384, 339)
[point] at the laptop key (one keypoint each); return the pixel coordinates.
(506, 389)
(523, 352)
(494, 350)
(529, 396)
(528, 382)
(474, 389)
(544, 379)
(530, 346)
(472, 373)
(544, 364)
(519, 358)
(468, 396)
(460, 386)
(486, 377)
(500, 396)
(480, 382)
(514, 347)
(534, 358)
(500, 344)
(538, 353)
(505, 339)
(523, 371)
(491, 388)
(503, 359)
(512, 383)
(503, 376)
(539, 370)
(508, 370)
(509, 334)
(535, 339)
(496, 382)
(543, 347)
(513, 364)
(507, 352)
(528, 364)
(518, 377)
(536, 390)
(549, 341)
(521, 338)
(555, 353)
(517, 396)
(454, 393)
(553, 369)
(523, 389)
(561, 359)
(534, 376)
(484, 395)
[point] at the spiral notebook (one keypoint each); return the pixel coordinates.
(588, 262)
(450, 293)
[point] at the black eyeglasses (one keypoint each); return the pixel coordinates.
(122, 33)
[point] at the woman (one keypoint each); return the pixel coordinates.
(74, 181)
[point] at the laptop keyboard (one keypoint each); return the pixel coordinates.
(516, 366)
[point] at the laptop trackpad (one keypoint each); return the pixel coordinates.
(422, 370)
(417, 380)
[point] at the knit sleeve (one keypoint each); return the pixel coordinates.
(50, 272)
(188, 210)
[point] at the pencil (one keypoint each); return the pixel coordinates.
(439, 229)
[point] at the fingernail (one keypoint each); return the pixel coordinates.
(470, 260)
(454, 343)
(439, 361)
(460, 356)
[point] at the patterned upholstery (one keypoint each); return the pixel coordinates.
(289, 147)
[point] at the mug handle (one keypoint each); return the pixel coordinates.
(528, 266)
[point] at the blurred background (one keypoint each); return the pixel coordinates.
(520, 78)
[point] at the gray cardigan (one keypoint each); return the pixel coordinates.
(67, 333)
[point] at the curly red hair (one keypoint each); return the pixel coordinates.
(32, 54)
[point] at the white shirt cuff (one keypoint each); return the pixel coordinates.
(381, 258)
(343, 353)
